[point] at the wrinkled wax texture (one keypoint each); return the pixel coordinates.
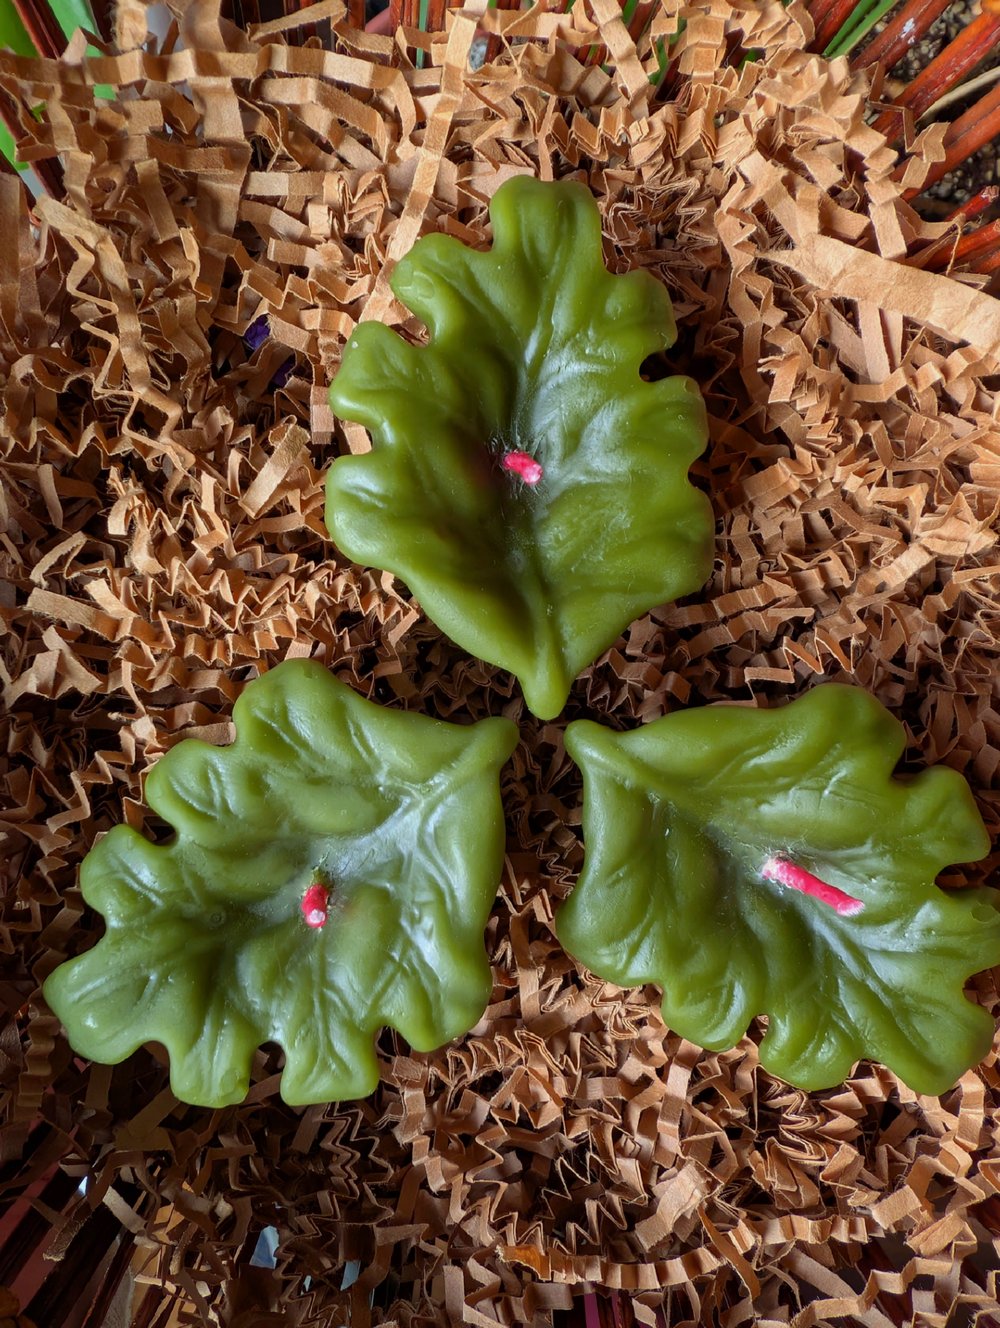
(679, 818)
(207, 950)
(535, 348)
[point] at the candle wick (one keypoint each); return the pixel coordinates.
(786, 873)
(520, 463)
(315, 903)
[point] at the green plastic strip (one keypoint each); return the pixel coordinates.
(70, 15)
(422, 16)
(14, 37)
(864, 17)
(73, 14)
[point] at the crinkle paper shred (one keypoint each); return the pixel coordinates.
(162, 542)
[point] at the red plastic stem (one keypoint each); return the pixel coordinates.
(984, 237)
(938, 254)
(967, 249)
(971, 45)
(786, 873)
(828, 17)
(41, 26)
(381, 23)
(970, 131)
(987, 262)
(978, 203)
(493, 42)
(641, 18)
(520, 463)
(905, 30)
(103, 18)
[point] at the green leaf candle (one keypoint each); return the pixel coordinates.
(332, 872)
(769, 862)
(525, 482)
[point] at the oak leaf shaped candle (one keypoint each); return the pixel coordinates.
(769, 862)
(332, 872)
(525, 482)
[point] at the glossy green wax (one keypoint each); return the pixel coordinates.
(395, 817)
(680, 821)
(535, 353)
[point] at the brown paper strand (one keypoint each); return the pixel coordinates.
(162, 539)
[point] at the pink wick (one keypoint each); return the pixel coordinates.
(314, 905)
(787, 873)
(521, 464)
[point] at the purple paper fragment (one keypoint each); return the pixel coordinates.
(257, 333)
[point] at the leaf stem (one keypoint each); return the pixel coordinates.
(783, 872)
(315, 905)
(520, 463)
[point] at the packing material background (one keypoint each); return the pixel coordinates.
(162, 537)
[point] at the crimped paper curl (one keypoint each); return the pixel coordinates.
(162, 539)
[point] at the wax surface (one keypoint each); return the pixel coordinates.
(707, 833)
(323, 882)
(534, 356)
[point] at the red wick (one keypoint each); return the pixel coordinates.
(797, 878)
(521, 464)
(314, 905)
